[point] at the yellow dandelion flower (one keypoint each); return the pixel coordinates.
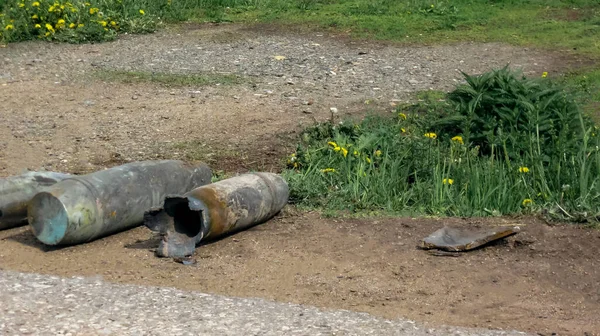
(9, 27)
(49, 27)
(35, 4)
(523, 170)
(430, 135)
(344, 152)
(142, 12)
(38, 26)
(62, 6)
(458, 139)
(402, 130)
(47, 34)
(332, 144)
(80, 25)
(402, 115)
(544, 74)
(378, 153)
(527, 202)
(51, 8)
(35, 16)
(368, 159)
(328, 170)
(103, 23)
(21, 5)
(60, 22)
(93, 10)
(337, 148)
(355, 153)
(448, 181)
(72, 25)
(113, 23)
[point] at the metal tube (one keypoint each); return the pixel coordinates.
(217, 209)
(83, 208)
(17, 191)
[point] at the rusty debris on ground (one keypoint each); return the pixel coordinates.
(465, 239)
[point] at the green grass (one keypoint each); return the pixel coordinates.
(554, 24)
(499, 145)
(74, 21)
(585, 86)
(549, 24)
(167, 79)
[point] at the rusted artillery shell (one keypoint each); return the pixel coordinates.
(216, 209)
(83, 208)
(17, 191)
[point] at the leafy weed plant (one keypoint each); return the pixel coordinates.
(73, 20)
(469, 156)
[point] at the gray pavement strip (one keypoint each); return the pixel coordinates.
(33, 304)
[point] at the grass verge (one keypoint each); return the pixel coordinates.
(167, 79)
(502, 144)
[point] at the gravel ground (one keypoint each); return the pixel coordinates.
(46, 305)
(296, 64)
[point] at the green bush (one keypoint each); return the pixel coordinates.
(72, 21)
(504, 110)
(430, 164)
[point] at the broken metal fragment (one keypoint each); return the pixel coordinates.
(17, 191)
(83, 208)
(214, 210)
(465, 239)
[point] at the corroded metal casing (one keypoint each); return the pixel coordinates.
(83, 208)
(17, 191)
(217, 209)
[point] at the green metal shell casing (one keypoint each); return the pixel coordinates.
(84, 208)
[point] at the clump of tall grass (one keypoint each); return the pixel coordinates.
(501, 144)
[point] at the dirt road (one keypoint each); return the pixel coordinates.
(58, 114)
(64, 109)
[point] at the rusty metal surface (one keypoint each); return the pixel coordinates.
(217, 209)
(464, 239)
(17, 191)
(83, 208)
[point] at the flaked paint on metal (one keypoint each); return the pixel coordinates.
(216, 203)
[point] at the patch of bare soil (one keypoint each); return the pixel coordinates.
(544, 279)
